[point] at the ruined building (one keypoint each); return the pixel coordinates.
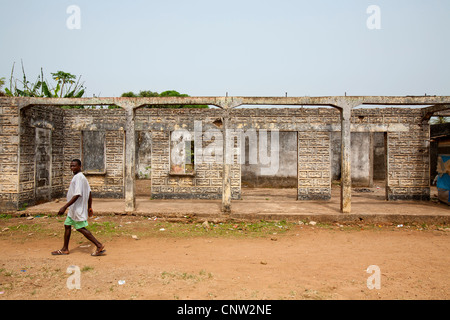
(318, 139)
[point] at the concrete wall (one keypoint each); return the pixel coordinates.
(9, 154)
(206, 183)
(41, 155)
(368, 161)
(285, 176)
(368, 157)
(143, 154)
(109, 183)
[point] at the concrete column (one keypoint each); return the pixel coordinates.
(386, 161)
(226, 185)
(130, 159)
(371, 158)
(346, 180)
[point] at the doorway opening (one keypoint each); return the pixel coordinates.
(368, 164)
(269, 170)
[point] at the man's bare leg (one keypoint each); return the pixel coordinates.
(85, 232)
(65, 248)
(67, 233)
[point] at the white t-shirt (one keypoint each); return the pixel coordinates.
(79, 185)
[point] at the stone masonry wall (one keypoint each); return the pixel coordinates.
(313, 126)
(314, 174)
(109, 184)
(408, 159)
(9, 155)
(55, 135)
(41, 155)
(206, 182)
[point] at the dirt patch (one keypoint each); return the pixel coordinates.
(235, 260)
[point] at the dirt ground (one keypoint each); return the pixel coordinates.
(148, 258)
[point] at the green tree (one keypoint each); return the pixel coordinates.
(129, 94)
(168, 93)
(74, 88)
(172, 93)
(28, 89)
(148, 94)
(67, 86)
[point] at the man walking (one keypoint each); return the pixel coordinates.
(79, 202)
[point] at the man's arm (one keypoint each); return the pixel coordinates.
(90, 201)
(68, 204)
(90, 211)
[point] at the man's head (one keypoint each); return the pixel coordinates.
(75, 166)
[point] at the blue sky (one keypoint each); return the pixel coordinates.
(245, 47)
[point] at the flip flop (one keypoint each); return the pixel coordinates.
(60, 253)
(98, 252)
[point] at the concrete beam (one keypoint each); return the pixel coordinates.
(234, 102)
(428, 112)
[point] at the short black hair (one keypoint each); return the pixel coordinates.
(77, 161)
